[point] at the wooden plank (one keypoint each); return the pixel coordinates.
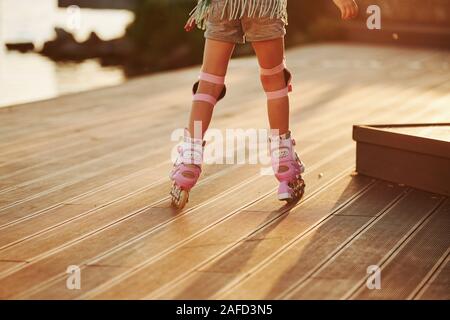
(347, 268)
(403, 272)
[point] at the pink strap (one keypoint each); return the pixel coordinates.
(211, 78)
(205, 98)
(271, 72)
(278, 94)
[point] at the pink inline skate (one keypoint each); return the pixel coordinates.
(188, 166)
(287, 167)
(186, 170)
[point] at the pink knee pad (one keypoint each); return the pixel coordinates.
(272, 95)
(208, 77)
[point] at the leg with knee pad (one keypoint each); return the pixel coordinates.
(272, 95)
(211, 78)
(286, 164)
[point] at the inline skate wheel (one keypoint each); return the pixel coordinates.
(179, 197)
(298, 188)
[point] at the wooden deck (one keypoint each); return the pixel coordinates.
(83, 181)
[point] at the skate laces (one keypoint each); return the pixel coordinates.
(190, 152)
(282, 147)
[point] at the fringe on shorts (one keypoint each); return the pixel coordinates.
(237, 8)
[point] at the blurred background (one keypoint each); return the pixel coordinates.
(51, 47)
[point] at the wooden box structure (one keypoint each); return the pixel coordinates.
(417, 155)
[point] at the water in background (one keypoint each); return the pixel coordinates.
(29, 77)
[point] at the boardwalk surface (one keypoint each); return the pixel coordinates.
(83, 181)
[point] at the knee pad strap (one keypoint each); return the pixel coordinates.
(211, 78)
(273, 71)
(205, 98)
(272, 95)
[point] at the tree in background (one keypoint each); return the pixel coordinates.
(159, 38)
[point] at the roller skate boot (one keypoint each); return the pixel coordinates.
(186, 170)
(288, 168)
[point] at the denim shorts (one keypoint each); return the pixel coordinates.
(243, 29)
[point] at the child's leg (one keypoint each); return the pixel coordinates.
(270, 55)
(275, 78)
(216, 57)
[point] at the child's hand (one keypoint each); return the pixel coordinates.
(189, 26)
(349, 8)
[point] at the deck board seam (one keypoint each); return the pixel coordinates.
(431, 276)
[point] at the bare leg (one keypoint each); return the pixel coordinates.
(271, 54)
(216, 57)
